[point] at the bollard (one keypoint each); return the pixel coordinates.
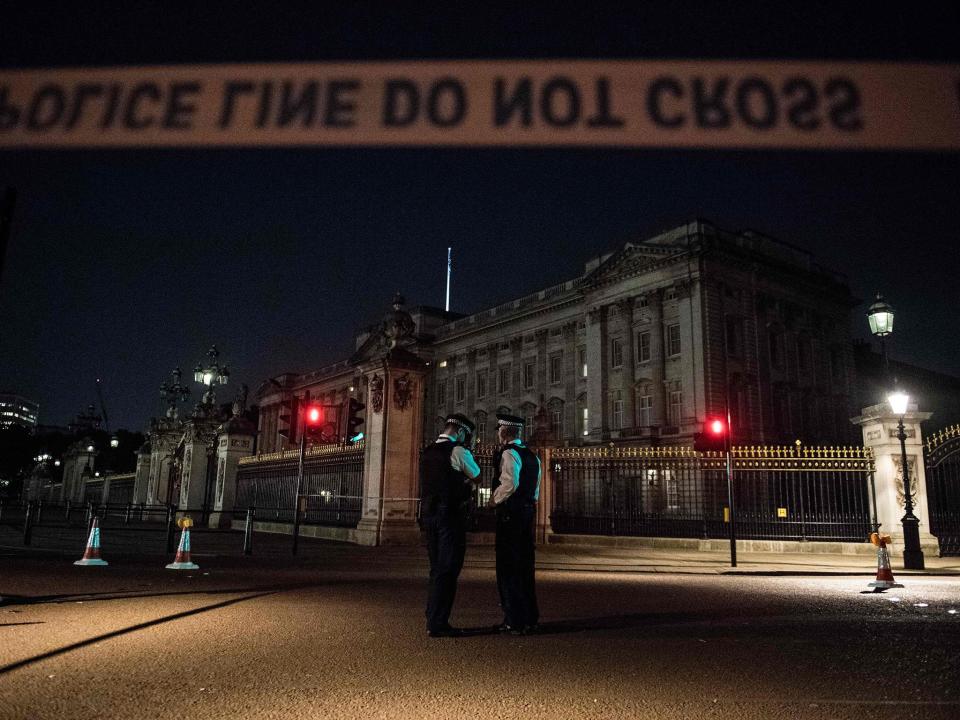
(248, 533)
(39, 517)
(89, 513)
(171, 512)
(126, 514)
(142, 506)
(28, 524)
(67, 514)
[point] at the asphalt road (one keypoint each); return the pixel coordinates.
(340, 633)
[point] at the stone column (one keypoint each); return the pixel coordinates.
(658, 358)
(391, 454)
(141, 478)
(234, 441)
(597, 374)
(879, 426)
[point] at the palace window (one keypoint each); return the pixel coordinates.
(582, 354)
(617, 411)
(671, 489)
(675, 408)
(556, 368)
(673, 340)
(645, 410)
(643, 347)
(556, 424)
(529, 374)
(616, 352)
(643, 302)
(460, 388)
(670, 293)
(503, 379)
(481, 384)
(442, 392)
(585, 421)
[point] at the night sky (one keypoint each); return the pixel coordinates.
(124, 264)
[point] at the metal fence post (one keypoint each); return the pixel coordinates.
(66, 515)
(28, 524)
(126, 514)
(89, 512)
(170, 516)
(39, 512)
(248, 533)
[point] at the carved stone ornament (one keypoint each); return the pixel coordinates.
(912, 465)
(402, 391)
(397, 325)
(376, 393)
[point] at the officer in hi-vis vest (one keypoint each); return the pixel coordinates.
(448, 473)
(516, 489)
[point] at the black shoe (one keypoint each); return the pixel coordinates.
(502, 628)
(448, 631)
(531, 629)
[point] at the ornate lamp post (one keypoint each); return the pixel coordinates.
(912, 554)
(174, 392)
(211, 375)
(880, 317)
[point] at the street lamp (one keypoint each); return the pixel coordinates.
(912, 554)
(211, 375)
(880, 317)
(114, 442)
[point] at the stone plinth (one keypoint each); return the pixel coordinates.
(879, 426)
(234, 441)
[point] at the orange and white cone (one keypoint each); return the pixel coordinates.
(91, 556)
(182, 560)
(884, 579)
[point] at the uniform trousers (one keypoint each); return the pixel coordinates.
(515, 565)
(446, 531)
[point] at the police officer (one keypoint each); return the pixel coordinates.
(516, 489)
(448, 473)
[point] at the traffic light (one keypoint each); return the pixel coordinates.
(353, 421)
(321, 422)
(714, 437)
(289, 419)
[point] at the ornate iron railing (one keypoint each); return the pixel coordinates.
(332, 485)
(942, 465)
(782, 493)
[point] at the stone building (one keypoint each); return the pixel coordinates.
(641, 348)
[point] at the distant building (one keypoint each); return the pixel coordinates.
(640, 349)
(18, 410)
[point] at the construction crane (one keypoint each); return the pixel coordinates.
(103, 406)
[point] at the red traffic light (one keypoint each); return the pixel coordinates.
(717, 426)
(314, 415)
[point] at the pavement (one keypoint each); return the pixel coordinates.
(337, 632)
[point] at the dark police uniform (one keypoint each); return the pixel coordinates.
(446, 492)
(516, 518)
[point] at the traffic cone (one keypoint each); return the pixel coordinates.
(884, 579)
(91, 556)
(182, 560)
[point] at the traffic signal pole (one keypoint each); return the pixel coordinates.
(296, 499)
(733, 522)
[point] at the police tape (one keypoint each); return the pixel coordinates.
(627, 103)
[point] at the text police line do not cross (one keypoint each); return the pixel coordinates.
(489, 103)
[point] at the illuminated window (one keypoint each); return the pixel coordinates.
(582, 352)
(585, 421)
(675, 408)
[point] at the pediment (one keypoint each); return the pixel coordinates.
(629, 260)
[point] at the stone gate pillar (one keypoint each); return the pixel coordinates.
(234, 441)
(879, 426)
(200, 433)
(141, 477)
(393, 435)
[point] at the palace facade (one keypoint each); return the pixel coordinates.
(640, 348)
